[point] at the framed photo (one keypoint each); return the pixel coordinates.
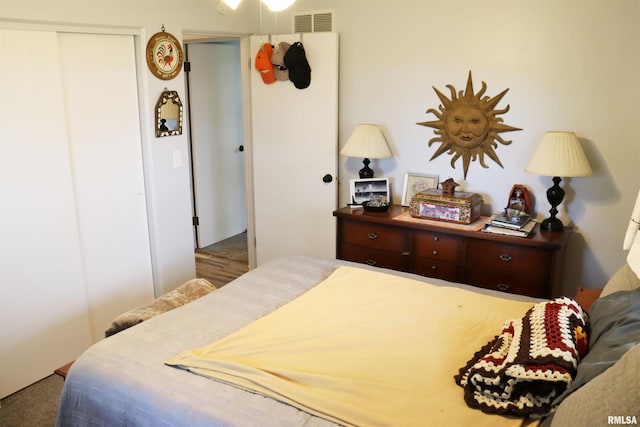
(415, 183)
(363, 190)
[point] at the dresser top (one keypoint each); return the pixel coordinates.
(537, 238)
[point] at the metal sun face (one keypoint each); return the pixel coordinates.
(468, 125)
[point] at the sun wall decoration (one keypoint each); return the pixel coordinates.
(468, 125)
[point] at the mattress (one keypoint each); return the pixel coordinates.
(123, 380)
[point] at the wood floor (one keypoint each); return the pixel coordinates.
(222, 262)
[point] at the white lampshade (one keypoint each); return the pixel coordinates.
(278, 5)
(367, 141)
(559, 154)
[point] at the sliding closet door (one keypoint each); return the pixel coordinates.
(44, 320)
(74, 240)
(100, 92)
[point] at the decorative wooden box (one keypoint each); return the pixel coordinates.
(460, 207)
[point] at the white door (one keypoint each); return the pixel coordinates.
(295, 146)
(215, 109)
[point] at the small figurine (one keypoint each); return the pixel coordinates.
(519, 199)
(449, 187)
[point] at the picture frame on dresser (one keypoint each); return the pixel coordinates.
(414, 183)
(363, 189)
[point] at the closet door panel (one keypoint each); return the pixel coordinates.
(44, 320)
(100, 91)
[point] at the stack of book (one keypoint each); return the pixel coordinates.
(512, 224)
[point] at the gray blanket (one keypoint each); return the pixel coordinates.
(123, 380)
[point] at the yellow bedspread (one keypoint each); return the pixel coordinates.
(364, 348)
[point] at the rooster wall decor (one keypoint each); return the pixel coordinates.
(164, 55)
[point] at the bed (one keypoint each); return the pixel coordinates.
(182, 368)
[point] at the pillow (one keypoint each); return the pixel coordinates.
(183, 294)
(623, 280)
(614, 393)
(615, 329)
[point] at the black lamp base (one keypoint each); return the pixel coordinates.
(555, 195)
(366, 172)
(551, 224)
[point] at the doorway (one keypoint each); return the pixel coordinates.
(215, 129)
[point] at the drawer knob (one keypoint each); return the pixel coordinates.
(435, 252)
(435, 238)
(433, 267)
(370, 262)
(505, 258)
(502, 287)
(372, 236)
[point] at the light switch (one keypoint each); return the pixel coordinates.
(177, 159)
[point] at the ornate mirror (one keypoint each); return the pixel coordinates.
(169, 114)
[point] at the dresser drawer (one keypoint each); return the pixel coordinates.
(430, 267)
(528, 266)
(437, 246)
(376, 236)
(375, 257)
(507, 257)
(533, 285)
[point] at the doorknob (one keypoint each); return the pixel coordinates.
(327, 178)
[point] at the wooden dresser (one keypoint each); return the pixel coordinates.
(528, 266)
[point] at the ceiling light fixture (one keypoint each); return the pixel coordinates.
(233, 4)
(278, 5)
(273, 5)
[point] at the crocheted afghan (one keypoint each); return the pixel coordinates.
(532, 361)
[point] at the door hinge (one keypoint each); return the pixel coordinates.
(196, 221)
(187, 66)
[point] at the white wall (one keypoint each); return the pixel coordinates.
(168, 188)
(568, 65)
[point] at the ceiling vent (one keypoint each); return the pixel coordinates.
(313, 22)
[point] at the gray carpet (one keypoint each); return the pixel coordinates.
(33, 406)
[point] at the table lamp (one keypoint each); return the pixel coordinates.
(559, 155)
(368, 142)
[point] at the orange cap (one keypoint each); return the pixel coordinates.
(264, 65)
